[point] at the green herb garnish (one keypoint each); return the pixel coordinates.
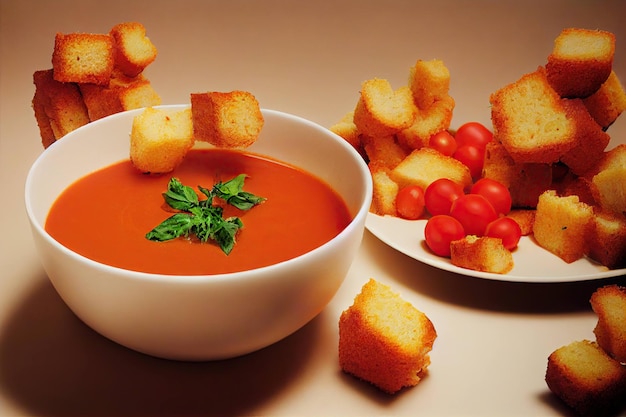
(201, 217)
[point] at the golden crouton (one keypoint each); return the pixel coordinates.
(525, 181)
(83, 58)
(429, 81)
(348, 130)
(429, 121)
(160, 139)
(609, 303)
(613, 158)
(383, 149)
(609, 189)
(592, 140)
(381, 111)
(562, 225)
(60, 103)
(607, 240)
(580, 61)
(226, 120)
(384, 192)
(423, 166)
(133, 50)
(485, 254)
(606, 104)
(529, 119)
(524, 218)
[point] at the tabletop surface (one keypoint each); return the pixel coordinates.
(306, 58)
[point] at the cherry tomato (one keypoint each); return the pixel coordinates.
(506, 229)
(443, 142)
(474, 212)
(496, 193)
(410, 202)
(440, 230)
(440, 195)
(472, 157)
(474, 134)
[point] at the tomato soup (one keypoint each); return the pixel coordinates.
(106, 215)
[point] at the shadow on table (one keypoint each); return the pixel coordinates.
(54, 365)
(485, 294)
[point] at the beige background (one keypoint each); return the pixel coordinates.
(308, 59)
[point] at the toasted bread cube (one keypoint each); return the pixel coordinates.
(606, 104)
(609, 189)
(133, 50)
(102, 101)
(580, 62)
(485, 254)
(384, 339)
(83, 58)
(384, 149)
(586, 378)
(434, 119)
(526, 181)
(609, 303)
(592, 140)
(525, 218)
(562, 225)
(348, 130)
(62, 104)
(226, 120)
(381, 111)
(385, 190)
(607, 242)
(160, 139)
(530, 120)
(578, 186)
(138, 95)
(429, 81)
(423, 166)
(43, 121)
(613, 158)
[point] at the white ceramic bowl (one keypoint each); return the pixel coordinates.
(199, 317)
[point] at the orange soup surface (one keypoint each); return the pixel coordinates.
(106, 215)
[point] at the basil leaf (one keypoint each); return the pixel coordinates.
(232, 192)
(179, 196)
(174, 226)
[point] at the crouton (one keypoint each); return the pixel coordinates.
(385, 190)
(423, 166)
(485, 254)
(160, 139)
(83, 58)
(226, 120)
(102, 101)
(607, 241)
(61, 103)
(609, 303)
(562, 225)
(586, 378)
(606, 104)
(609, 189)
(348, 130)
(427, 122)
(592, 140)
(530, 120)
(429, 81)
(524, 218)
(381, 111)
(384, 149)
(133, 50)
(580, 62)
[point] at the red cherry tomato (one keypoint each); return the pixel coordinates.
(410, 202)
(440, 231)
(440, 195)
(474, 212)
(506, 229)
(473, 134)
(472, 157)
(443, 142)
(497, 194)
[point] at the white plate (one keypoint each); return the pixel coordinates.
(532, 263)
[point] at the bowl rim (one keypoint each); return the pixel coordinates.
(358, 217)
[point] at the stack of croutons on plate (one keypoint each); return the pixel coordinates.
(93, 76)
(551, 149)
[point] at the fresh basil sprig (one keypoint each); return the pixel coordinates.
(201, 217)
